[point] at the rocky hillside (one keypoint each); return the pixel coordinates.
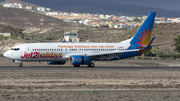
(163, 33)
(90, 34)
(20, 18)
(9, 29)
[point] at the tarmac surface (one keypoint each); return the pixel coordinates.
(107, 83)
(2, 68)
(115, 80)
(84, 68)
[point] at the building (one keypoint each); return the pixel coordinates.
(48, 9)
(41, 9)
(9, 5)
(128, 26)
(71, 35)
(29, 7)
(18, 5)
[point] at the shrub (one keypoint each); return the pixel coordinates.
(70, 40)
(50, 37)
(168, 55)
(3, 37)
(13, 37)
(40, 36)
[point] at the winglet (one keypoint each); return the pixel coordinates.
(64, 40)
(149, 44)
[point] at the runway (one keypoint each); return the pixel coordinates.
(69, 79)
(84, 68)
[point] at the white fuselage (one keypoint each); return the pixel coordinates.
(60, 51)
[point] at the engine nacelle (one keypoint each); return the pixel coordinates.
(56, 62)
(78, 60)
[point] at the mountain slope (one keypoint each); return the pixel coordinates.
(20, 18)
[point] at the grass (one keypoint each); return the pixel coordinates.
(93, 91)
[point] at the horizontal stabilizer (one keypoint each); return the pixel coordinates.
(162, 44)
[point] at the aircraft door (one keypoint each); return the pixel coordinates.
(28, 52)
(28, 49)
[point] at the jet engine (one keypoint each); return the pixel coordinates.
(79, 60)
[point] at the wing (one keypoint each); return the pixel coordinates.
(105, 56)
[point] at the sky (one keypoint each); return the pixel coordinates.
(139, 7)
(172, 5)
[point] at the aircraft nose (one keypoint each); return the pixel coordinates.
(5, 54)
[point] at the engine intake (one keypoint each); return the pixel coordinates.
(78, 60)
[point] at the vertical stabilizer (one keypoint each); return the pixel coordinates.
(143, 35)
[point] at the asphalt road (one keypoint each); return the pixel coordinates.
(84, 68)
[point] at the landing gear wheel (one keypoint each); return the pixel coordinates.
(91, 65)
(20, 65)
(76, 65)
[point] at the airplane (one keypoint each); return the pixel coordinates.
(78, 54)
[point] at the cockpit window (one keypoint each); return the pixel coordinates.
(15, 49)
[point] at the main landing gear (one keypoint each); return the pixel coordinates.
(91, 64)
(76, 65)
(20, 65)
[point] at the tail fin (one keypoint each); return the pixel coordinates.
(143, 35)
(149, 44)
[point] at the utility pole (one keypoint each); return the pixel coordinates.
(42, 20)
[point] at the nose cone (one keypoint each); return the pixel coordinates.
(5, 54)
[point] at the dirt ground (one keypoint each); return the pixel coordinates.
(154, 96)
(92, 80)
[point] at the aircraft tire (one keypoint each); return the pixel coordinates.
(91, 65)
(76, 65)
(21, 65)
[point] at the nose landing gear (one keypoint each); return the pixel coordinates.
(20, 62)
(20, 65)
